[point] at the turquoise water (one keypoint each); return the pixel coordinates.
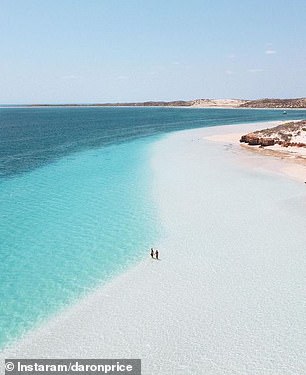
(69, 226)
(75, 200)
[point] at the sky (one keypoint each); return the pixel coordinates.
(89, 51)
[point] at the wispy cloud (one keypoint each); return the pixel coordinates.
(270, 51)
(255, 70)
(229, 72)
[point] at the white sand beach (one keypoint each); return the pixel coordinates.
(289, 161)
(228, 294)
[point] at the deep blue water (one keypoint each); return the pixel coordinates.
(32, 137)
(76, 204)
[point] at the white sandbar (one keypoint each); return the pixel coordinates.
(227, 296)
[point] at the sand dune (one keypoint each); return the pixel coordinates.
(217, 103)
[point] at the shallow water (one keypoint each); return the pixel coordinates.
(68, 226)
(227, 296)
(76, 203)
(240, 239)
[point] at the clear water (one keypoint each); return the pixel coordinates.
(240, 236)
(30, 138)
(75, 199)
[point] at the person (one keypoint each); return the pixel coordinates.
(152, 253)
(156, 254)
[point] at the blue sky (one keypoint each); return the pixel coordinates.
(89, 51)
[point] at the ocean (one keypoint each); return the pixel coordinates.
(76, 201)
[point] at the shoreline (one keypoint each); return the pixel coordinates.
(150, 106)
(291, 161)
(205, 306)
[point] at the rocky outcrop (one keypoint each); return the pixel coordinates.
(253, 140)
(288, 134)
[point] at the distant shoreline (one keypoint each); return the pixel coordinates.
(284, 104)
(168, 107)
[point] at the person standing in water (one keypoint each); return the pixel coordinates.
(156, 254)
(152, 253)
